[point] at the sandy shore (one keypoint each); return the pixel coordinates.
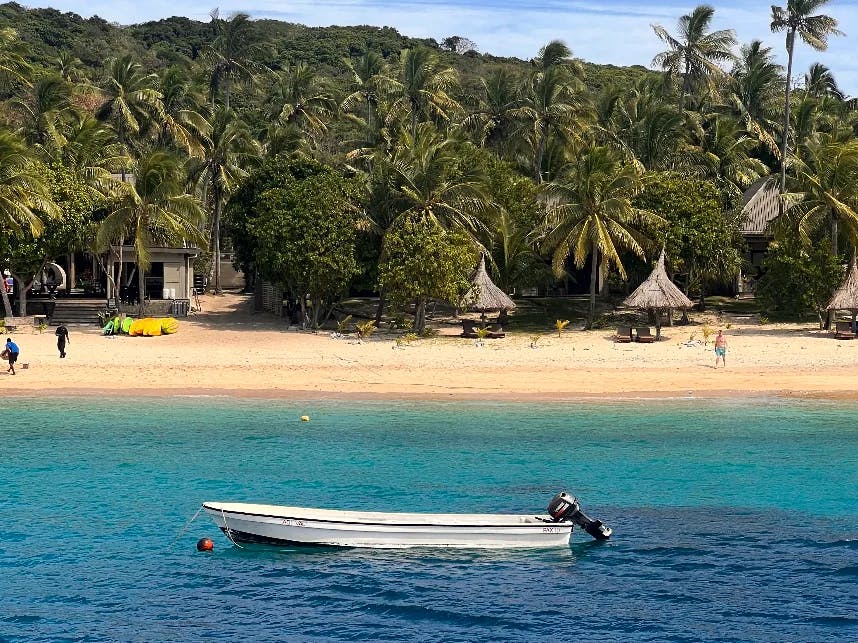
(229, 350)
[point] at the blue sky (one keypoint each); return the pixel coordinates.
(604, 31)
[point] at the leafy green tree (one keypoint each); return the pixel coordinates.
(422, 261)
(24, 194)
(303, 232)
(798, 18)
(153, 210)
(28, 253)
(590, 214)
(694, 55)
(701, 237)
(799, 280)
(515, 260)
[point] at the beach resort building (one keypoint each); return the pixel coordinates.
(760, 206)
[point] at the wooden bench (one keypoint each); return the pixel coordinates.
(14, 324)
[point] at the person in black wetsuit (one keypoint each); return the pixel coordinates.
(62, 334)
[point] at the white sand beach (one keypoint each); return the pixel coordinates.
(228, 349)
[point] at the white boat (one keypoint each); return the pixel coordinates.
(280, 525)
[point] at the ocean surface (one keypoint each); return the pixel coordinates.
(733, 520)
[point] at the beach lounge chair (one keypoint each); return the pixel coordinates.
(624, 334)
(496, 332)
(469, 328)
(843, 330)
(643, 335)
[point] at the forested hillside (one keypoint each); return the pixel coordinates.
(349, 159)
(177, 40)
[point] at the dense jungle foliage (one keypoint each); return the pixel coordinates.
(343, 158)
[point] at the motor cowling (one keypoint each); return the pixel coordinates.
(564, 508)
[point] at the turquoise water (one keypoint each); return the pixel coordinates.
(732, 521)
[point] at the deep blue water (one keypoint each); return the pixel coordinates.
(732, 520)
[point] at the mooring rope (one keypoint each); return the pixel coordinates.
(185, 528)
(226, 530)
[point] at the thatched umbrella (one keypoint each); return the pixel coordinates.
(846, 297)
(658, 293)
(484, 296)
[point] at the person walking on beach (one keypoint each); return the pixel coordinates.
(62, 334)
(720, 349)
(13, 351)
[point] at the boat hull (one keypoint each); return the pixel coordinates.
(273, 525)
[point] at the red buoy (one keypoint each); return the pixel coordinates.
(205, 544)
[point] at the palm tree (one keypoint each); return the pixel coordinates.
(757, 86)
(41, 110)
(68, 66)
(823, 188)
(500, 108)
(14, 67)
(154, 209)
(227, 146)
(182, 119)
(130, 101)
(695, 53)
(431, 183)
(590, 213)
(649, 129)
(797, 18)
(724, 152)
(369, 83)
(91, 149)
(550, 107)
(231, 54)
(819, 81)
(298, 105)
(23, 193)
(424, 89)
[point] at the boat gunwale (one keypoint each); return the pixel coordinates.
(539, 521)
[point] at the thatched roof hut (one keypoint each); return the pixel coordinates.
(658, 293)
(484, 296)
(846, 297)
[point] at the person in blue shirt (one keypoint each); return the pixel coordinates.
(13, 351)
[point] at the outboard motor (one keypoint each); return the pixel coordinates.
(564, 507)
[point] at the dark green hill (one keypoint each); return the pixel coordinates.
(164, 42)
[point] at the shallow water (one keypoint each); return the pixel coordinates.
(732, 521)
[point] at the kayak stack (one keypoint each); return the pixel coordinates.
(146, 327)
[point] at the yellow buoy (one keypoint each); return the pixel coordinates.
(305, 418)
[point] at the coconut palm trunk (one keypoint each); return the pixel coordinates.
(785, 142)
(594, 269)
(216, 240)
(7, 305)
(141, 291)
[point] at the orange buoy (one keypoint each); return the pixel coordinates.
(205, 544)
